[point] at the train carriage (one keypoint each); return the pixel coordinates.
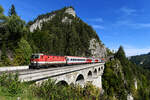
(76, 60)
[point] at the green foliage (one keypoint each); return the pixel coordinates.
(12, 29)
(3, 18)
(48, 90)
(113, 81)
(4, 58)
(15, 29)
(23, 53)
(121, 55)
(11, 84)
(109, 52)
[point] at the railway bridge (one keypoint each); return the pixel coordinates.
(76, 74)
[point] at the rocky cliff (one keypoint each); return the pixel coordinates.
(97, 49)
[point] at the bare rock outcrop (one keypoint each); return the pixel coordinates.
(71, 11)
(38, 23)
(97, 49)
(66, 20)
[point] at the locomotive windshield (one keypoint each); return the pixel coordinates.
(35, 56)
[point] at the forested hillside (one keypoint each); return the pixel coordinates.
(142, 60)
(60, 32)
(122, 79)
(63, 33)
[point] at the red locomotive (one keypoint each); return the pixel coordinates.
(41, 60)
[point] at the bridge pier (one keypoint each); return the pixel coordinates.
(97, 82)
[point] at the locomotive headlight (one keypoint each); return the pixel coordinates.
(33, 61)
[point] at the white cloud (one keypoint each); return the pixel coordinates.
(127, 11)
(132, 24)
(136, 51)
(98, 26)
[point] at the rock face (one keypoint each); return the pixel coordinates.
(97, 49)
(66, 20)
(70, 11)
(38, 23)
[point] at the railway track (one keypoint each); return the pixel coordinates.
(33, 71)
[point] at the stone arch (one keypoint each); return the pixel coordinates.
(89, 74)
(80, 79)
(95, 72)
(99, 69)
(62, 82)
(102, 68)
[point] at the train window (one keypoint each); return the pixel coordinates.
(32, 56)
(35, 56)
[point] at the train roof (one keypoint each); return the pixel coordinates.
(75, 57)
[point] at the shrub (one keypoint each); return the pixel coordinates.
(11, 84)
(48, 90)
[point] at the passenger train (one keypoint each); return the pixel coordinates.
(42, 60)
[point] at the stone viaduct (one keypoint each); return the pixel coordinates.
(91, 73)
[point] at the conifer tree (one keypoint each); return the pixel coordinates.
(120, 53)
(12, 11)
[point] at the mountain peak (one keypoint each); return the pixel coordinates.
(70, 11)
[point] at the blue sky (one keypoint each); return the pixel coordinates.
(117, 22)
